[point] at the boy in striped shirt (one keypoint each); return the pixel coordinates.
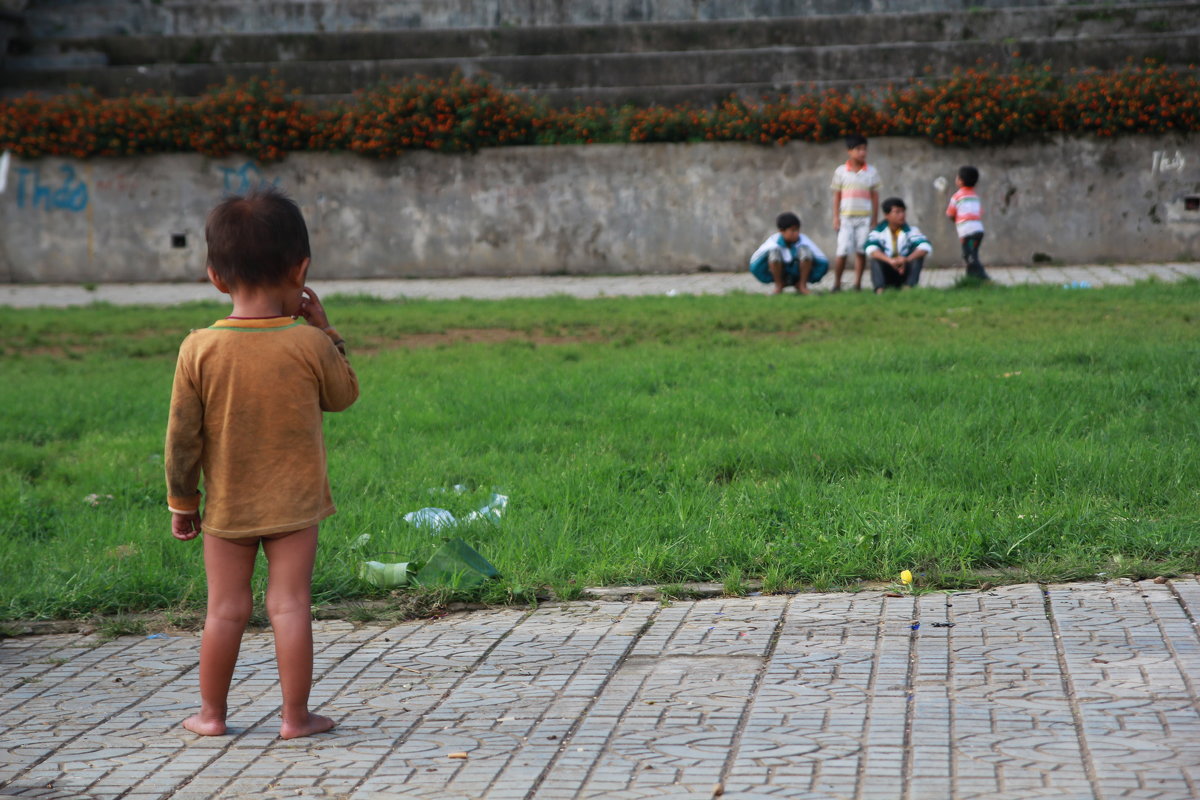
(855, 209)
(967, 213)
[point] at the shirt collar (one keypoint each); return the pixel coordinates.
(270, 322)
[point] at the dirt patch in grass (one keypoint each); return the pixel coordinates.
(456, 336)
(421, 341)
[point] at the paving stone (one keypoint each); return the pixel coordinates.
(1059, 692)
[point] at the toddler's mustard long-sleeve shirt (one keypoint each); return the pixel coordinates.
(246, 411)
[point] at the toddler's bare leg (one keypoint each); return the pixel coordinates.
(860, 263)
(289, 595)
(228, 566)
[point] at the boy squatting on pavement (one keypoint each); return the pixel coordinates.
(855, 209)
(789, 258)
(246, 409)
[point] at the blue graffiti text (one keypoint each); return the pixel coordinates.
(247, 177)
(72, 195)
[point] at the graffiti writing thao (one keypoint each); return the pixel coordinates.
(72, 195)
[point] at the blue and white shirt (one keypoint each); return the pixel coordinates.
(790, 252)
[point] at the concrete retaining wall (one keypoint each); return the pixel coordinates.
(592, 209)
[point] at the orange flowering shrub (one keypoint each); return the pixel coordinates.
(81, 124)
(259, 118)
(976, 106)
(445, 115)
(1152, 99)
(579, 126)
(262, 119)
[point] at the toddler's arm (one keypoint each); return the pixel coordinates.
(184, 446)
(339, 384)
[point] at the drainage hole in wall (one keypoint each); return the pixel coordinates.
(178, 240)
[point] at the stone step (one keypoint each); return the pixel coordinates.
(775, 66)
(667, 96)
(58, 18)
(987, 25)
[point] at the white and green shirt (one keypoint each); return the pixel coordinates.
(882, 241)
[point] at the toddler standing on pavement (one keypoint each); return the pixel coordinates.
(246, 409)
(967, 213)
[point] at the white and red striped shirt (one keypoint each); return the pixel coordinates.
(856, 187)
(966, 212)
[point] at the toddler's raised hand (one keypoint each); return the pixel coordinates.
(312, 310)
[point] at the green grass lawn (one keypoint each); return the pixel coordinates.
(971, 434)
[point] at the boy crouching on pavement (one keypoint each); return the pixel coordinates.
(246, 408)
(789, 258)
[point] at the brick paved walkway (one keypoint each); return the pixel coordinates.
(1085, 691)
(24, 295)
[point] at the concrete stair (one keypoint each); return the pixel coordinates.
(649, 62)
(56, 18)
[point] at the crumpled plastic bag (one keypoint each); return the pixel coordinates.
(386, 576)
(433, 518)
(455, 564)
(458, 565)
(436, 519)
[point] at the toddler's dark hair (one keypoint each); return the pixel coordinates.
(257, 238)
(787, 220)
(968, 175)
(855, 141)
(892, 202)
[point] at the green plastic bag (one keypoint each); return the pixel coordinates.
(457, 565)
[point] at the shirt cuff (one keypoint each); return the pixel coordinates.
(336, 338)
(184, 505)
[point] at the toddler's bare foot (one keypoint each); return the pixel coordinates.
(197, 723)
(315, 723)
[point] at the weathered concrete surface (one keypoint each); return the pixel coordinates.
(184, 17)
(987, 25)
(631, 77)
(1075, 692)
(644, 63)
(11, 24)
(597, 209)
(690, 60)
